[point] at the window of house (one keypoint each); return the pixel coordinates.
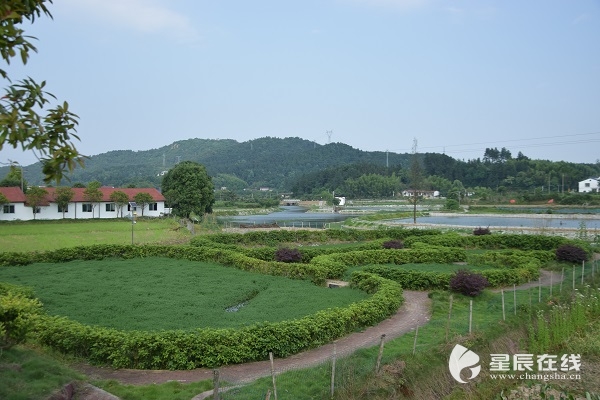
(110, 206)
(8, 209)
(37, 210)
(129, 208)
(63, 209)
(86, 207)
(153, 206)
(587, 184)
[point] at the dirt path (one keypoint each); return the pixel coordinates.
(414, 312)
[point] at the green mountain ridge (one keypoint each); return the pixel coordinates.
(264, 162)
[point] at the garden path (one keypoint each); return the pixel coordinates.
(415, 311)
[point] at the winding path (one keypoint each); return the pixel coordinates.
(415, 311)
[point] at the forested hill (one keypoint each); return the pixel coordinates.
(265, 162)
(304, 167)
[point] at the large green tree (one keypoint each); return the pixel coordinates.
(188, 189)
(27, 119)
(14, 178)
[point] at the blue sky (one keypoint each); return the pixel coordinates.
(457, 76)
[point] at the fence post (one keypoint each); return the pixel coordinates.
(470, 315)
(273, 375)
(515, 298)
(562, 278)
(551, 279)
(582, 271)
(573, 278)
(415, 342)
(503, 312)
(449, 316)
(215, 384)
(379, 355)
(540, 290)
(332, 389)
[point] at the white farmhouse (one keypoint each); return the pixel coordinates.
(79, 208)
(589, 185)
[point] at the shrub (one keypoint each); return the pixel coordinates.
(288, 255)
(482, 231)
(571, 253)
(468, 283)
(16, 314)
(393, 244)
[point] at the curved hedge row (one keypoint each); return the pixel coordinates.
(507, 268)
(504, 241)
(225, 257)
(315, 236)
(215, 347)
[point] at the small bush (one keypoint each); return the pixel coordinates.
(571, 253)
(468, 283)
(393, 244)
(287, 255)
(482, 231)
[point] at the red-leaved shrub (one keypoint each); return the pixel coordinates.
(570, 253)
(288, 255)
(393, 244)
(468, 283)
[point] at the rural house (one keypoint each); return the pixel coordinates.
(79, 208)
(589, 185)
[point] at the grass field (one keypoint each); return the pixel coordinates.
(51, 235)
(163, 293)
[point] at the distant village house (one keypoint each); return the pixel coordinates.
(79, 208)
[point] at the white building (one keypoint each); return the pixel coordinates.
(589, 185)
(79, 207)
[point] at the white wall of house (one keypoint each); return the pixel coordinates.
(20, 212)
(589, 185)
(76, 211)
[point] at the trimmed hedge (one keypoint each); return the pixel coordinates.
(215, 347)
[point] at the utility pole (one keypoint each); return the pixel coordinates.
(387, 159)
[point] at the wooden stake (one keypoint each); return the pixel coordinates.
(470, 315)
(215, 384)
(273, 375)
(449, 316)
(415, 342)
(515, 298)
(379, 355)
(332, 389)
(503, 312)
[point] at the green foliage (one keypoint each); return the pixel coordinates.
(452, 204)
(142, 200)
(120, 199)
(188, 189)
(25, 120)
(16, 314)
(35, 197)
(63, 196)
(214, 347)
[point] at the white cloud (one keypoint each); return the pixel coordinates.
(146, 16)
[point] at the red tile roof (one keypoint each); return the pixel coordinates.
(13, 194)
(106, 192)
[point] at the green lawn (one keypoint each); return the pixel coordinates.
(52, 235)
(164, 293)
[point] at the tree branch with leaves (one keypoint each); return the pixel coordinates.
(27, 119)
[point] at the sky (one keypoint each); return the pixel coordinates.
(444, 76)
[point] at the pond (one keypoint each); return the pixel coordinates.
(562, 222)
(295, 216)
